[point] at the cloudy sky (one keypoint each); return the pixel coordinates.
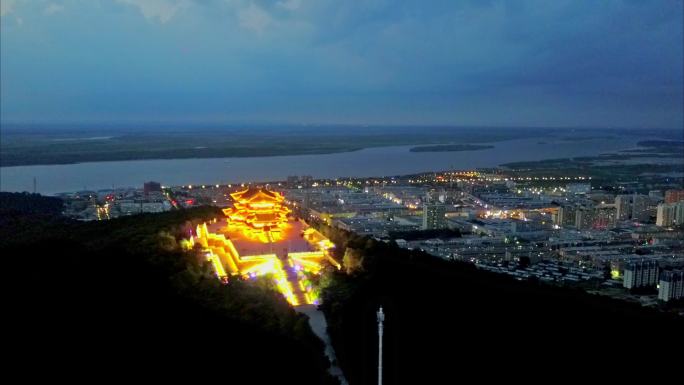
(614, 63)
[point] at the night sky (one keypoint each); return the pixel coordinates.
(587, 63)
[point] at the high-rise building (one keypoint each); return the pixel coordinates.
(598, 217)
(149, 187)
(605, 216)
(584, 218)
(671, 285)
(306, 200)
(642, 273)
(566, 216)
(664, 215)
(623, 205)
(434, 215)
(643, 207)
(670, 214)
(673, 196)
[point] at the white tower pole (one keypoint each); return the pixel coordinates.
(381, 319)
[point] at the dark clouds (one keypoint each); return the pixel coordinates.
(561, 62)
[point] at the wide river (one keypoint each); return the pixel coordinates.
(378, 161)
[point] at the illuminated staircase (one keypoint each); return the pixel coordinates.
(297, 291)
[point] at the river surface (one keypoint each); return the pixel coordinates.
(377, 161)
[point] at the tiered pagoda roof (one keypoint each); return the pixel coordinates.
(258, 210)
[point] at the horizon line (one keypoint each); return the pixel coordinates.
(143, 124)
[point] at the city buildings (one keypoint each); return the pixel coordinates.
(295, 181)
(524, 227)
(588, 216)
(150, 187)
(671, 285)
(673, 196)
(655, 194)
(114, 203)
(643, 207)
(643, 273)
(670, 214)
(623, 206)
(578, 188)
(434, 215)
(566, 215)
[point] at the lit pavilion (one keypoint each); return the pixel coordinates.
(259, 213)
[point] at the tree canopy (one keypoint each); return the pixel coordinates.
(121, 295)
(447, 321)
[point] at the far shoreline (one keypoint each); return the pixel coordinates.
(29, 148)
(452, 148)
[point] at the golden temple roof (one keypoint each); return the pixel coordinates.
(253, 194)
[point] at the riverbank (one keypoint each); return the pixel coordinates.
(451, 148)
(369, 162)
(30, 146)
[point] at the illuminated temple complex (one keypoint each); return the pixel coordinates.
(258, 239)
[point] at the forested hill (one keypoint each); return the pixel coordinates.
(120, 298)
(26, 203)
(120, 295)
(448, 322)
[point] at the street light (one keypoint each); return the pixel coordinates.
(381, 319)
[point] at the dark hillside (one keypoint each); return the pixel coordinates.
(448, 322)
(120, 295)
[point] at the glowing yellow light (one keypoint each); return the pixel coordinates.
(187, 244)
(218, 266)
(226, 260)
(258, 213)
